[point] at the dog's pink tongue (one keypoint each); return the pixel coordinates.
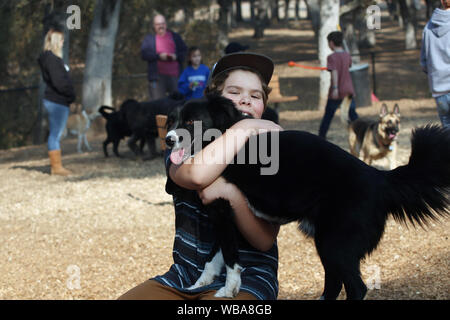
(391, 136)
(177, 156)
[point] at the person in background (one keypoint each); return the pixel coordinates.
(435, 59)
(58, 96)
(338, 63)
(165, 53)
(194, 78)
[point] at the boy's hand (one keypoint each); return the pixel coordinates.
(217, 189)
(335, 94)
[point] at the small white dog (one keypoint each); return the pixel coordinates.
(79, 124)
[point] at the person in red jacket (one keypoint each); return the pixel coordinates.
(58, 96)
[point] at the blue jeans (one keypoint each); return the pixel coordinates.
(330, 110)
(443, 108)
(57, 118)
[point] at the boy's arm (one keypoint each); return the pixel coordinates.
(334, 84)
(207, 165)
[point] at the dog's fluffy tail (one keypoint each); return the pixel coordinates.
(418, 191)
(105, 113)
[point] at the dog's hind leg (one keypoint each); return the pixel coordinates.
(151, 147)
(105, 147)
(333, 281)
(116, 148)
(86, 143)
(341, 266)
(80, 140)
(132, 144)
(354, 286)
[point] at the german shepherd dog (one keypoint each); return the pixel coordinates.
(337, 199)
(376, 139)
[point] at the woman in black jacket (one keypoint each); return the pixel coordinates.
(59, 94)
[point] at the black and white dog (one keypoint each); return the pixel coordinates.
(338, 200)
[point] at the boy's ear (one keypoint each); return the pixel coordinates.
(223, 112)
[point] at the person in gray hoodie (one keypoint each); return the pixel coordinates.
(435, 59)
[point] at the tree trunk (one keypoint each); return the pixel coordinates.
(408, 12)
(239, 11)
(224, 12)
(314, 15)
(261, 19)
(99, 55)
(329, 20)
(286, 11)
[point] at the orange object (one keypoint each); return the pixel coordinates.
(293, 64)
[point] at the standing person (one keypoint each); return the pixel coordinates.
(243, 78)
(338, 63)
(435, 59)
(58, 96)
(193, 80)
(165, 52)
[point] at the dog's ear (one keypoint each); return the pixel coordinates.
(223, 112)
(383, 110)
(397, 110)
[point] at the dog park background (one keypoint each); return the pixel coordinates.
(110, 226)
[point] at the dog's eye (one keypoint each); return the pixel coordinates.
(189, 122)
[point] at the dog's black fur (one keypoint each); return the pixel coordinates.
(271, 114)
(116, 127)
(141, 119)
(338, 200)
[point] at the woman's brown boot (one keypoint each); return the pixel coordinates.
(56, 165)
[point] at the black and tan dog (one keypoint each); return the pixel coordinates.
(376, 139)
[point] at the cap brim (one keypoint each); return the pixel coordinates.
(258, 62)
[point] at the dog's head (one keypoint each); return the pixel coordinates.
(199, 121)
(389, 124)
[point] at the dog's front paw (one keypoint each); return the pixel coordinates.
(204, 280)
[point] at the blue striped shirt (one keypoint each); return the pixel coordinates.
(194, 239)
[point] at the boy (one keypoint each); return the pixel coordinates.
(338, 63)
(243, 78)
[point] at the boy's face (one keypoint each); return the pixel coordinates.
(244, 88)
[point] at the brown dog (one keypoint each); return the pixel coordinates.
(79, 124)
(376, 139)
